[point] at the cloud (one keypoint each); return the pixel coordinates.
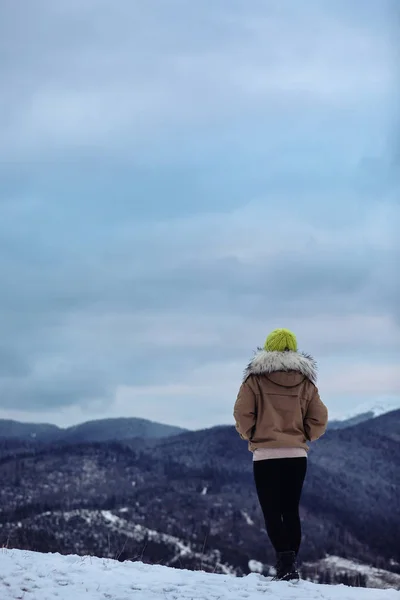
(102, 76)
(366, 380)
(198, 293)
(175, 181)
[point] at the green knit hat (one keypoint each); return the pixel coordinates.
(280, 340)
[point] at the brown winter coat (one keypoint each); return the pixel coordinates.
(278, 405)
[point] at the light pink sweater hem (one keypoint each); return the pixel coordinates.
(270, 453)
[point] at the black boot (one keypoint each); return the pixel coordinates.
(286, 569)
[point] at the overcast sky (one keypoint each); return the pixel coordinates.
(177, 179)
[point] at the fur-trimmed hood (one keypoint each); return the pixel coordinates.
(265, 362)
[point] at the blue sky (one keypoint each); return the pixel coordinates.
(177, 179)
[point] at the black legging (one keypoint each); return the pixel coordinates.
(279, 482)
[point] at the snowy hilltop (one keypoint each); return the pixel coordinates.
(368, 410)
(31, 576)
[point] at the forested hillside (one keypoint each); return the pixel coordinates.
(152, 498)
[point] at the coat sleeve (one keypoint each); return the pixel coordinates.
(316, 418)
(245, 412)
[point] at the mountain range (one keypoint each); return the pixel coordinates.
(91, 431)
(131, 427)
(343, 424)
(364, 412)
(188, 500)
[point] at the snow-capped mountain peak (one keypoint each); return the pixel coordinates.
(372, 409)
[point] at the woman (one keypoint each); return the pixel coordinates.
(278, 409)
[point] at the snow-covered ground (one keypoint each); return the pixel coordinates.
(31, 576)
